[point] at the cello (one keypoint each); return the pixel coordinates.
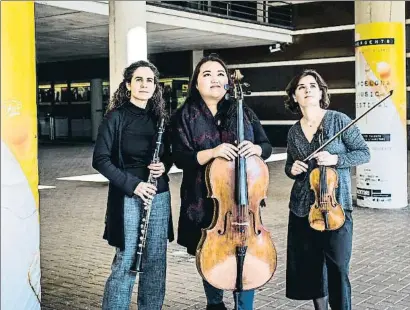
(236, 251)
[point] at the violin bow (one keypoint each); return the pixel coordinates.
(345, 128)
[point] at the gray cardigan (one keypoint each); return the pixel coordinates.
(350, 147)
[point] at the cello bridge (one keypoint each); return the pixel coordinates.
(240, 224)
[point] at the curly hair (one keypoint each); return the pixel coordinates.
(155, 105)
(292, 105)
(227, 107)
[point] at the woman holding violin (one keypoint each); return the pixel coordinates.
(318, 258)
(204, 128)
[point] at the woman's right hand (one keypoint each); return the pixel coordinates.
(145, 191)
(298, 167)
(225, 150)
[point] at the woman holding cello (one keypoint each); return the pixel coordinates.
(204, 129)
(318, 255)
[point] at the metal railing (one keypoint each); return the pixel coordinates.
(270, 13)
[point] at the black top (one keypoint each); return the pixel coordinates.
(196, 129)
(138, 144)
(123, 150)
(139, 133)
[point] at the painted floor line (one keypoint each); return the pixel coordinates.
(86, 178)
(276, 157)
(46, 187)
(101, 179)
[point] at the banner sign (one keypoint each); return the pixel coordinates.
(20, 227)
(381, 67)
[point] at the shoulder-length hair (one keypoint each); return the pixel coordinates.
(291, 104)
(227, 107)
(155, 105)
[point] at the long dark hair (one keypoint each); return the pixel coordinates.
(292, 105)
(227, 108)
(155, 105)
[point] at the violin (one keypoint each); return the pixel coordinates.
(236, 251)
(326, 213)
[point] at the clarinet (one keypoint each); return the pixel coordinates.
(146, 211)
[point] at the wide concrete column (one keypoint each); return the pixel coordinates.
(379, 11)
(127, 37)
(380, 68)
(96, 106)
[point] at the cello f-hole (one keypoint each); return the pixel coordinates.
(252, 216)
(220, 231)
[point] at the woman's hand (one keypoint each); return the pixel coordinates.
(326, 159)
(225, 150)
(247, 149)
(157, 169)
(298, 167)
(145, 191)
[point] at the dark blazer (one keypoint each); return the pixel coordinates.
(107, 159)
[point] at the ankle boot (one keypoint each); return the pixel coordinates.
(220, 306)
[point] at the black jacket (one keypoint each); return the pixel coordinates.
(107, 159)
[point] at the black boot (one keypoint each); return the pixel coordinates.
(220, 306)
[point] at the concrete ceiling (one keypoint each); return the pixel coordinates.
(66, 32)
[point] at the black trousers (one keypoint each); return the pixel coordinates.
(318, 262)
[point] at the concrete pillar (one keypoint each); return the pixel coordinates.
(380, 46)
(127, 37)
(379, 11)
(196, 57)
(96, 106)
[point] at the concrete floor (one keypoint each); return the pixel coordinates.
(75, 260)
